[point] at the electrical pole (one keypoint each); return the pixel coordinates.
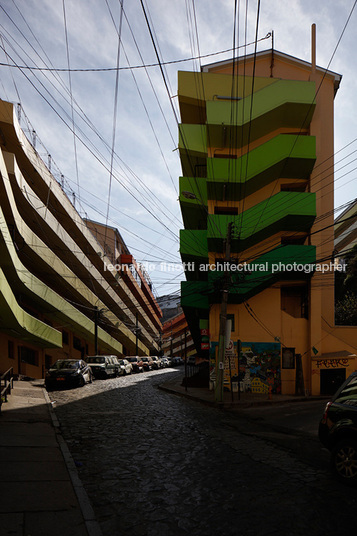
(136, 334)
(223, 319)
(96, 314)
(185, 360)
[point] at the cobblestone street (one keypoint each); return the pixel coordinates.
(155, 464)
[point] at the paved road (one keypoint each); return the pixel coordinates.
(155, 464)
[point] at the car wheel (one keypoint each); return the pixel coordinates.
(81, 381)
(344, 461)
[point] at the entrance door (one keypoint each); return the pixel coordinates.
(331, 380)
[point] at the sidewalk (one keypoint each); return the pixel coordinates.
(246, 400)
(41, 494)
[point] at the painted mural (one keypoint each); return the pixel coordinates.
(259, 367)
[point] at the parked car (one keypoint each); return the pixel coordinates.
(136, 363)
(147, 363)
(169, 359)
(191, 360)
(338, 431)
(165, 362)
(69, 373)
(125, 367)
(156, 363)
(177, 361)
(104, 366)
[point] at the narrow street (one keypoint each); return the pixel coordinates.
(156, 464)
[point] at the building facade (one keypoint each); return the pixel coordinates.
(255, 138)
(62, 277)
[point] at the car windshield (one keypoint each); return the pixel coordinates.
(145, 359)
(121, 362)
(348, 395)
(132, 359)
(66, 364)
(95, 359)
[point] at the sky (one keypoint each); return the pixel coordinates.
(112, 134)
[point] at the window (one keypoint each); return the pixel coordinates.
(77, 343)
(226, 210)
(28, 355)
(65, 337)
(293, 187)
(48, 361)
(288, 358)
(293, 240)
(231, 318)
(10, 350)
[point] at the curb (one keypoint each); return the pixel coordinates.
(92, 525)
(239, 405)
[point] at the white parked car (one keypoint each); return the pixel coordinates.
(156, 363)
(125, 367)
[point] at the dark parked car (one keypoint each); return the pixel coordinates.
(338, 431)
(136, 362)
(69, 373)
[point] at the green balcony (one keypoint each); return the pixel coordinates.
(193, 246)
(286, 103)
(253, 277)
(285, 156)
(193, 202)
(194, 294)
(193, 149)
(194, 89)
(285, 211)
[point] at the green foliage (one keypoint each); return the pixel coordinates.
(346, 310)
(346, 291)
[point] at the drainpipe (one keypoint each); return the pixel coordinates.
(313, 49)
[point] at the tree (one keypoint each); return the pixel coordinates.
(346, 310)
(346, 291)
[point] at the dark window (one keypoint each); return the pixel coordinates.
(231, 317)
(65, 337)
(87, 352)
(27, 355)
(226, 210)
(293, 188)
(77, 343)
(288, 358)
(48, 361)
(10, 350)
(295, 241)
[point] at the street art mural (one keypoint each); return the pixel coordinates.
(259, 367)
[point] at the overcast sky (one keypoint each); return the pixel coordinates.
(141, 179)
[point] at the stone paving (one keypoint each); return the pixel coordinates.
(155, 464)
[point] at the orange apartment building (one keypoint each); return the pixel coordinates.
(256, 146)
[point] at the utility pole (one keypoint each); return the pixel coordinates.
(136, 333)
(185, 360)
(223, 319)
(96, 315)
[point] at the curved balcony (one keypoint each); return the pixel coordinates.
(193, 207)
(285, 211)
(285, 103)
(193, 246)
(285, 263)
(286, 156)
